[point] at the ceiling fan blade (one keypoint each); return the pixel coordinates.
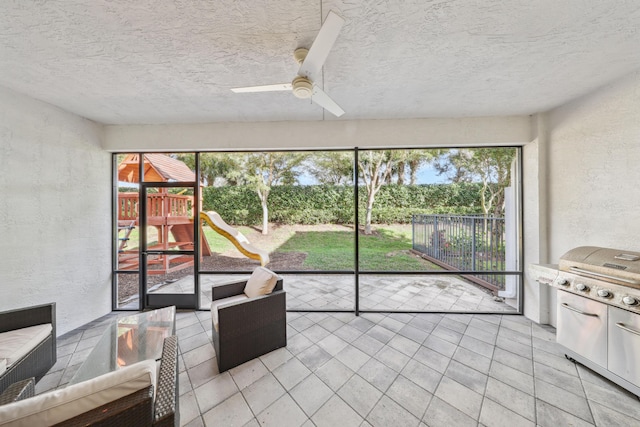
(323, 100)
(263, 88)
(321, 46)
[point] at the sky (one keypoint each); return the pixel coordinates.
(426, 175)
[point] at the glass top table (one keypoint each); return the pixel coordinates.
(128, 340)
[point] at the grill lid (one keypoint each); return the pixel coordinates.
(612, 265)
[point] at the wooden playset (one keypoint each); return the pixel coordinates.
(170, 214)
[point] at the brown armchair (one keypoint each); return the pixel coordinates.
(247, 327)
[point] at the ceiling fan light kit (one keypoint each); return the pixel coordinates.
(302, 87)
(300, 54)
(311, 61)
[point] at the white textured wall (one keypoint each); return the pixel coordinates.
(54, 211)
(594, 170)
(320, 134)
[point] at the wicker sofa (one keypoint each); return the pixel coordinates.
(246, 326)
(140, 395)
(40, 356)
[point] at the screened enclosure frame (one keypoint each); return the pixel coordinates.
(357, 272)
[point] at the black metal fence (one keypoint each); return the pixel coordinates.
(467, 243)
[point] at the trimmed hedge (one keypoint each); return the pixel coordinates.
(324, 204)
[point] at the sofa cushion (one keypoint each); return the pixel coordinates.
(3, 366)
(261, 282)
(60, 405)
(14, 345)
(215, 304)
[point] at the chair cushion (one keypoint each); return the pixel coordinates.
(261, 282)
(215, 304)
(65, 403)
(14, 345)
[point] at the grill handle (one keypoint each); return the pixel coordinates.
(584, 313)
(628, 329)
(603, 276)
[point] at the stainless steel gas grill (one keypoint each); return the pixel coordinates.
(598, 312)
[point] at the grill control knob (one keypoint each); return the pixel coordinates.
(582, 287)
(628, 300)
(562, 282)
(604, 293)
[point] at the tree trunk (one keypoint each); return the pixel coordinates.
(367, 221)
(413, 171)
(264, 197)
(265, 218)
(400, 179)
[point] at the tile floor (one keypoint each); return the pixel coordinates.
(377, 293)
(383, 370)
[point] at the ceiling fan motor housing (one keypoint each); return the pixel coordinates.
(302, 87)
(300, 54)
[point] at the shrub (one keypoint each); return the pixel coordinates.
(323, 204)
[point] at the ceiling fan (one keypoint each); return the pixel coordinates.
(311, 61)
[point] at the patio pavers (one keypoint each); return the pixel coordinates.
(377, 293)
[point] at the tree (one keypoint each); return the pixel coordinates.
(264, 170)
(375, 169)
(212, 166)
(399, 170)
(450, 163)
(412, 159)
(417, 158)
(490, 166)
(331, 167)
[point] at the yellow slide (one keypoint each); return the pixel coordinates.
(238, 239)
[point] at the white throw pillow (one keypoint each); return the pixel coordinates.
(261, 282)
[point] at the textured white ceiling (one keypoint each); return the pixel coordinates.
(160, 61)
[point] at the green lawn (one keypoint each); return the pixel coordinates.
(326, 250)
(385, 250)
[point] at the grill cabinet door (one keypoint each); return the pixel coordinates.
(624, 344)
(582, 327)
